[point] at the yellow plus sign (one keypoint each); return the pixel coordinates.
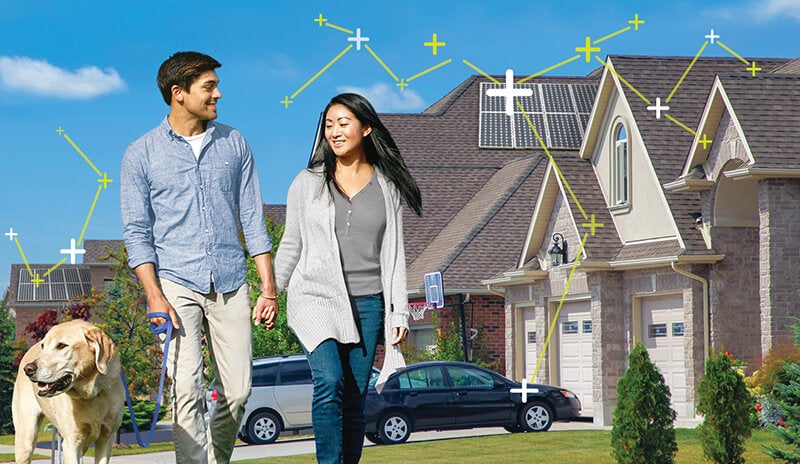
(105, 180)
(37, 280)
(593, 225)
(402, 84)
(286, 102)
(636, 22)
(588, 49)
(320, 20)
(753, 68)
(60, 130)
(434, 44)
(705, 141)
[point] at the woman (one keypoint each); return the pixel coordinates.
(342, 262)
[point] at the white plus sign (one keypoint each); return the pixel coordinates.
(358, 39)
(658, 108)
(72, 251)
(509, 92)
(524, 390)
(712, 36)
(11, 234)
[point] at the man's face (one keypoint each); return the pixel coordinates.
(200, 100)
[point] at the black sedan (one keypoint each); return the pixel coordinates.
(441, 395)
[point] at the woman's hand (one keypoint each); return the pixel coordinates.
(399, 335)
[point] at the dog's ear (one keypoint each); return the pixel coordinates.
(103, 347)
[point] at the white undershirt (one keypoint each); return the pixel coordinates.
(196, 142)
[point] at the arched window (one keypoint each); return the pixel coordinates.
(620, 162)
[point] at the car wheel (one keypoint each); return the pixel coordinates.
(394, 428)
(513, 428)
(536, 417)
(263, 428)
(373, 437)
(243, 436)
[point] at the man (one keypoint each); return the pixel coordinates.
(186, 189)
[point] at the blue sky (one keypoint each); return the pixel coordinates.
(89, 67)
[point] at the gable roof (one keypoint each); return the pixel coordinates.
(666, 142)
(440, 147)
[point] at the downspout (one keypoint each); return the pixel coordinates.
(706, 328)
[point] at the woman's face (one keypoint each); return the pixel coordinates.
(344, 132)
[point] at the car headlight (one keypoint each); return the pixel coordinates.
(568, 394)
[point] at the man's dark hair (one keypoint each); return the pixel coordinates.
(182, 69)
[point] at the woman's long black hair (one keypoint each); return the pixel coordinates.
(380, 148)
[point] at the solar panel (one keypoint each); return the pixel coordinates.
(58, 284)
(560, 112)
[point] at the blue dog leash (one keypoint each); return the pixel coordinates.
(157, 330)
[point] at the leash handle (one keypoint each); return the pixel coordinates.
(165, 327)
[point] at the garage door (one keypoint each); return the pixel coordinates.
(663, 335)
(530, 336)
(575, 351)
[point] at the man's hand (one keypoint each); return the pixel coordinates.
(160, 304)
(399, 335)
(266, 311)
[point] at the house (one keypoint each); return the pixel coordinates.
(688, 226)
(479, 172)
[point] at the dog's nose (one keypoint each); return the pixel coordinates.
(30, 369)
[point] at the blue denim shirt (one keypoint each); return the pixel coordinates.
(182, 214)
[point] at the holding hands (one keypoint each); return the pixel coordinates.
(266, 310)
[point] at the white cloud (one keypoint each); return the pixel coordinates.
(769, 9)
(41, 78)
(386, 99)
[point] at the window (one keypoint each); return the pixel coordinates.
(265, 376)
(677, 329)
(587, 326)
(569, 327)
(532, 336)
(427, 377)
(619, 167)
(657, 330)
(469, 377)
(295, 373)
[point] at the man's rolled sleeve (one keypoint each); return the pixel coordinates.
(251, 212)
(135, 210)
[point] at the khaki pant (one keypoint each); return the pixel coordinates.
(225, 319)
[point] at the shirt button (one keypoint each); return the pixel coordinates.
(208, 253)
(206, 231)
(203, 208)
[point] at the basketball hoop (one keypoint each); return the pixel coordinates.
(417, 310)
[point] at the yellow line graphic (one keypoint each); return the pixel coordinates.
(645, 99)
(24, 259)
(553, 161)
(482, 72)
(568, 60)
(325, 68)
(558, 310)
(685, 73)
(680, 124)
(375, 55)
(55, 267)
(721, 44)
(89, 216)
(338, 28)
(432, 68)
(83, 155)
(613, 34)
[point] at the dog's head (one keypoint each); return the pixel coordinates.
(72, 354)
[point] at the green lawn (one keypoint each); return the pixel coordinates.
(585, 446)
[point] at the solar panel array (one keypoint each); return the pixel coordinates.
(60, 284)
(559, 112)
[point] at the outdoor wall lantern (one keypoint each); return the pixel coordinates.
(558, 254)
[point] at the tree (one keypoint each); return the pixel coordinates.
(726, 404)
(123, 314)
(787, 396)
(7, 370)
(643, 431)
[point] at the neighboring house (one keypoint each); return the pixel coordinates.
(479, 172)
(699, 248)
(60, 285)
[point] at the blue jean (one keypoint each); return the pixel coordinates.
(341, 374)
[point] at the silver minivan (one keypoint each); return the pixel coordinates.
(280, 398)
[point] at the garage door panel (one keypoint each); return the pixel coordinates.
(575, 349)
(663, 336)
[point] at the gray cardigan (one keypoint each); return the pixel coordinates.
(308, 267)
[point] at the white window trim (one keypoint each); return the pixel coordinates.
(619, 205)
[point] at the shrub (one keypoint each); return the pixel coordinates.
(787, 401)
(643, 431)
(143, 411)
(727, 405)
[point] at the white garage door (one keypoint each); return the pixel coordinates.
(574, 327)
(530, 340)
(663, 335)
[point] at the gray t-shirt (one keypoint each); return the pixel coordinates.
(360, 223)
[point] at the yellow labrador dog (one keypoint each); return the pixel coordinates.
(72, 378)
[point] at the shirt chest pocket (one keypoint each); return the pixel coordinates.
(224, 175)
